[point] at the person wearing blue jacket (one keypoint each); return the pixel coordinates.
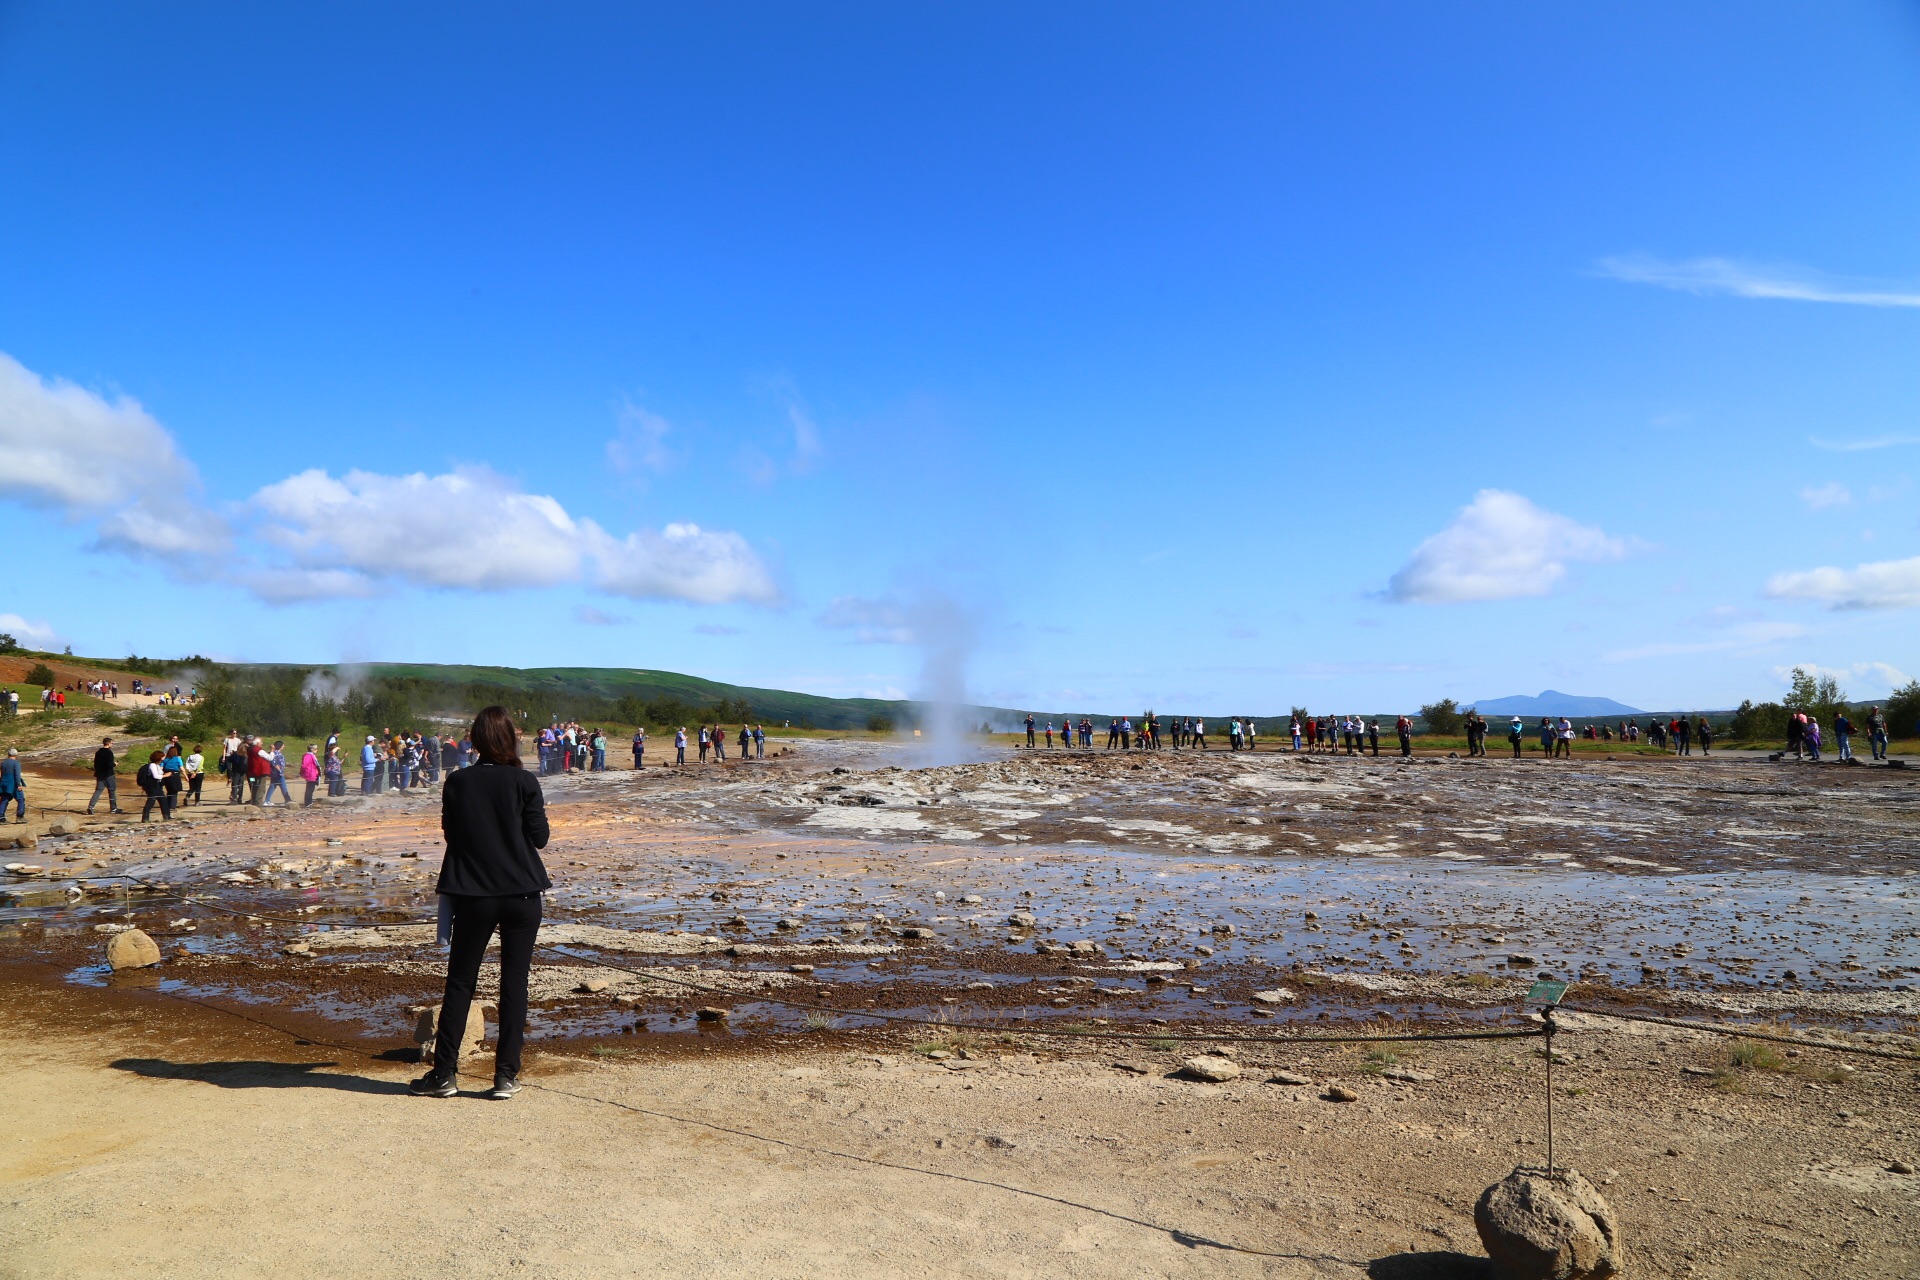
(13, 786)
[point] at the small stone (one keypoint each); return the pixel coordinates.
(1521, 959)
(1900, 1166)
(939, 1055)
(1203, 950)
(1293, 1078)
(1210, 1067)
(978, 986)
(1696, 1071)
(1539, 1224)
(853, 928)
(1407, 1075)
(1340, 1093)
(1084, 947)
(1022, 920)
(712, 1014)
(1223, 930)
(132, 949)
(786, 924)
(918, 933)
(737, 922)
(296, 949)
(1279, 995)
(628, 1001)
(972, 899)
(1313, 915)
(1125, 917)
(939, 895)
(592, 986)
(1134, 1068)
(799, 968)
(61, 827)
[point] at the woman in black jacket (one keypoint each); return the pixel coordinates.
(495, 823)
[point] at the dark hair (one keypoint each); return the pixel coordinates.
(495, 737)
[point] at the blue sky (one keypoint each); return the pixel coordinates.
(1233, 356)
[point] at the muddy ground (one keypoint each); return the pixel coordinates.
(1163, 896)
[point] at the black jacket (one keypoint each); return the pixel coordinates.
(495, 822)
(103, 763)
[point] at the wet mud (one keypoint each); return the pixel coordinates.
(1161, 894)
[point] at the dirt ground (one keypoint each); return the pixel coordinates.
(240, 1108)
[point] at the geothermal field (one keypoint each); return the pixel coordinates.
(1069, 931)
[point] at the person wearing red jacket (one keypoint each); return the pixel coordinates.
(259, 768)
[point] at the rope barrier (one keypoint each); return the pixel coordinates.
(1745, 1033)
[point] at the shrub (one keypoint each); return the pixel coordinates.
(109, 716)
(1442, 718)
(8, 644)
(1759, 722)
(877, 723)
(42, 675)
(144, 721)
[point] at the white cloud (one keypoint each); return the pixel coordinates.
(31, 635)
(66, 449)
(682, 562)
(470, 529)
(1500, 547)
(1886, 584)
(587, 615)
(1830, 494)
(1747, 280)
(290, 584)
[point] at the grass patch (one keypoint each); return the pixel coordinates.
(1378, 1060)
(818, 1021)
(1164, 1044)
(1478, 981)
(1756, 1055)
(609, 1051)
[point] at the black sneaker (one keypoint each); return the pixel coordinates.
(504, 1087)
(431, 1085)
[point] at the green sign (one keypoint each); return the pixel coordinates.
(1546, 992)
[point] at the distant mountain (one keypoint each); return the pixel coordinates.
(1552, 702)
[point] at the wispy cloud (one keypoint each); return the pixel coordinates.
(1875, 675)
(1727, 277)
(1830, 494)
(1885, 584)
(1745, 637)
(592, 617)
(1861, 446)
(32, 635)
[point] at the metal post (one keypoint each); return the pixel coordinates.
(1550, 1030)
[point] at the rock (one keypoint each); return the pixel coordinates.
(1204, 951)
(1134, 1068)
(593, 986)
(737, 922)
(1521, 959)
(1288, 1078)
(1279, 995)
(1900, 1166)
(1696, 1071)
(972, 899)
(1223, 930)
(1312, 915)
(799, 968)
(786, 924)
(712, 1014)
(27, 840)
(939, 1055)
(854, 928)
(918, 933)
(1211, 1068)
(426, 1030)
(1340, 1093)
(132, 949)
(1022, 920)
(1407, 1075)
(629, 1001)
(1125, 917)
(296, 949)
(62, 827)
(1538, 1224)
(1085, 947)
(978, 986)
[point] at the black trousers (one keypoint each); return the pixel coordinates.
(474, 920)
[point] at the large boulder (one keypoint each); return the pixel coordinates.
(132, 949)
(1540, 1224)
(426, 1031)
(1210, 1067)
